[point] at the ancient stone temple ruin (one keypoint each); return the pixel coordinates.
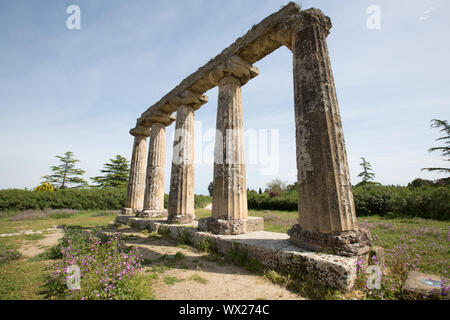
(327, 220)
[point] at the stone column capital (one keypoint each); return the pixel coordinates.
(140, 131)
(189, 98)
(158, 116)
(315, 16)
(234, 66)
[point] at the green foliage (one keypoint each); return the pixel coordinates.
(420, 183)
(108, 269)
(185, 238)
(170, 281)
(78, 199)
(196, 277)
(115, 173)
(429, 202)
(9, 255)
(201, 201)
(241, 257)
(287, 201)
(207, 245)
(366, 174)
(276, 186)
(423, 202)
(445, 149)
(66, 175)
(44, 187)
(211, 188)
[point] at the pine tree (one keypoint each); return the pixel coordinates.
(445, 150)
(211, 189)
(366, 174)
(66, 175)
(115, 173)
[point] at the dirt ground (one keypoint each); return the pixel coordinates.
(31, 248)
(183, 273)
(195, 275)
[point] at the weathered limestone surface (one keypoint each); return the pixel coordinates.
(136, 181)
(264, 38)
(229, 208)
(154, 191)
(327, 218)
(231, 227)
(181, 195)
(273, 250)
(230, 191)
(326, 206)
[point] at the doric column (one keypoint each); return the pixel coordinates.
(229, 207)
(136, 179)
(181, 195)
(327, 217)
(154, 190)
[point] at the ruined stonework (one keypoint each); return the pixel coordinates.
(327, 220)
(136, 183)
(154, 191)
(181, 195)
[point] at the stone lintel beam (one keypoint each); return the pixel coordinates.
(262, 39)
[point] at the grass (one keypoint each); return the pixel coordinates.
(170, 281)
(426, 241)
(83, 218)
(197, 278)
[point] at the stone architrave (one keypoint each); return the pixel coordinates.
(136, 180)
(181, 195)
(154, 190)
(229, 207)
(327, 219)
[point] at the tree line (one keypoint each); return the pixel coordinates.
(67, 175)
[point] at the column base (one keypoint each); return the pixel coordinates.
(152, 213)
(181, 219)
(345, 243)
(126, 211)
(231, 227)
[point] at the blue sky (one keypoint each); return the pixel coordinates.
(82, 90)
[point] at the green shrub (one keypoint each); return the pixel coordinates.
(108, 269)
(201, 201)
(76, 199)
(9, 255)
(423, 201)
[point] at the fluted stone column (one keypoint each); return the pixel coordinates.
(181, 195)
(229, 207)
(327, 217)
(136, 180)
(154, 190)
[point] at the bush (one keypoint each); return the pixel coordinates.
(44, 187)
(201, 201)
(287, 202)
(107, 269)
(76, 199)
(429, 202)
